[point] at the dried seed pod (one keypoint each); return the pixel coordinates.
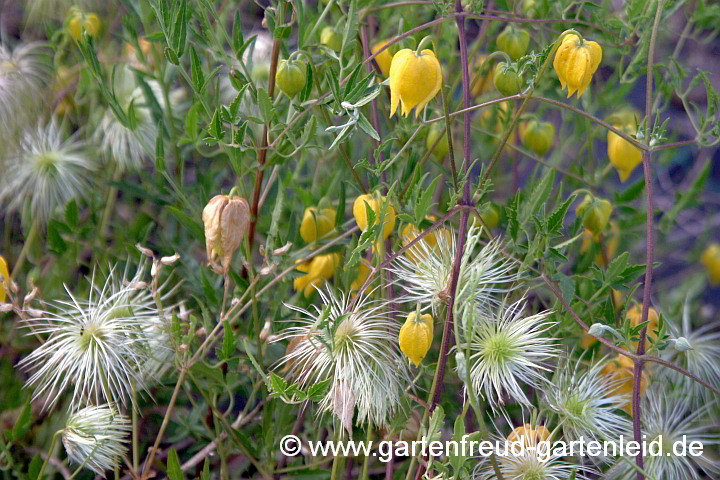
(226, 222)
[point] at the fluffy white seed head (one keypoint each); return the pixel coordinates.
(357, 349)
(97, 437)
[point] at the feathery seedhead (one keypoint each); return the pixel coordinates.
(97, 437)
(506, 349)
(425, 276)
(536, 460)
(101, 346)
(47, 170)
(587, 403)
(670, 414)
(356, 348)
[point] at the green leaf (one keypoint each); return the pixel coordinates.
(457, 455)
(205, 475)
(567, 285)
(367, 127)
(350, 31)
(630, 194)
(174, 471)
(171, 56)
(229, 340)
(556, 220)
(191, 122)
(265, 105)
(71, 213)
(334, 83)
(305, 93)
(22, 424)
(55, 242)
(237, 35)
(179, 30)
(160, 149)
(539, 196)
(198, 78)
(34, 467)
(194, 227)
(616, 267)
(217, 129)
(319, 390)
(340, 210)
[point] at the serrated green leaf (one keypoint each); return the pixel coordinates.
(539, 196)
(631, 193)
(556, 220)
(22, 424)
(237, 36)
(265, 105)
(198, 78)
(174, 471)
(229, 340)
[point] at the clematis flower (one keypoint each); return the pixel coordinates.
(384, 58)
(316, 223)
(623, 155)
(416, 336)
(377, 204)
(622, 370)
(711, 260)
(415, 79)
(5, 281)
(576, 60)
(318, 269)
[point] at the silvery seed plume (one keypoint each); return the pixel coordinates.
(426, 278)
(538, 460)
(25, 72)
(99, 347)
(585, 403)
(130, 148)
(357, 350)
(703, 359)
(506, 349)
(47, 170)
(670, 414)
(97, 438)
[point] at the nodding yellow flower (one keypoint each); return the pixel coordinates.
(711, 260)
(538, 136)
(330, 38)
(622, 369)
(575, 62)
(597, 217)
(384, 58)
(416, 336)
(635, 316)
(415, 79)
(482, 80)
(410, 232)
(318, 269)
(611, 246)
(5, 282)
(79, 21)
(317, 223)
(360, 213)
(624, 156)
(530, 436)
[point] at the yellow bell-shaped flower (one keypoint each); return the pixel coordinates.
(78, 21)
(415, 79)
(622, 369)
(575, 63)
(623, 155)
(711, 260)
(416, 336)
(635, 316)
(318, 269)
(360, 213)
(529, 436)
(5, 282)
(317, 223)
(410, 232)
(384, 58)
(482, 80)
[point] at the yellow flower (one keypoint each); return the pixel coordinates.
(5, 283)
(711, 260)
(622, 369)
(317, 223)
(416, 337)
(530, 436)
(635, 316)
(79, 20)
(384, 58)
(414, 80)
(575, 63)
(410, 232)
(482, 80)
(363, 271)
(624, 156)
(612, 244)
(318, 269)
(360, 214)
(597, 217)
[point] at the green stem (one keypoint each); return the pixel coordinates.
(135, 441)
(25, 249)
(109, 204)
(49, 454)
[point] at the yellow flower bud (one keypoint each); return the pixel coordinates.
(317, 223)
(635, 316)
(597, 217)
(384, 58)
(622, 369)
(5, 282)
(514, 41)
(443, 146)
(538, 136)
(360, 213)
(482, 80)
(416, 337)
(79, 21)
(290, 77)
(226, 221)
(575, 63)
(530, 436)
(623, 155)
(506, 79)
(319, 269)
(410, 232)
(330, 38)
(711, 260)
(414, 80)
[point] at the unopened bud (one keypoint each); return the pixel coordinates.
(14, 287)
(282, 250)
(33, 312)
(144, 250)
(226, 221)
(170, 260)
(266, 330)
(182, 348)
(154, 269)
(6, 307)
(30, 296)
(201, 332)
(138, 285)
(266, 270)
